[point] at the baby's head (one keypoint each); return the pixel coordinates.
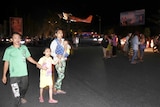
(65, 42)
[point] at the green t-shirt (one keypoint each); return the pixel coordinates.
(17, 60)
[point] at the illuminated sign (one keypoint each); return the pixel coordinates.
(130, 18)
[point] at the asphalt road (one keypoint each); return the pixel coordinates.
(91, 81)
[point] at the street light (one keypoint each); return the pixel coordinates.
(52, 23)
(52, 26)
(99, 19)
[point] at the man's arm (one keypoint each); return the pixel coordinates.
(30, 59)
(5, 69)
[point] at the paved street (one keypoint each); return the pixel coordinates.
(92, 81)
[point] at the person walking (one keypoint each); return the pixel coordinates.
(109, 47)
(126, 44)
(104, 44)
(46, 78)
(57, 52)
(14, 58)
(114, 44)
(142, 47)
(135, 45)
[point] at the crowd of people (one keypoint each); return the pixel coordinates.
(15, 61)
(134, 46)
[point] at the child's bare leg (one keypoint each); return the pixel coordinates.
(50, 92)
(41, 95)
(51, 100)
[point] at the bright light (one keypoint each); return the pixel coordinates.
(152, 43)
(94, 39)
(100, 39)
(22, 42)
(123, 40)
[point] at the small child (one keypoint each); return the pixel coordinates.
(67, 49)
(46, 78)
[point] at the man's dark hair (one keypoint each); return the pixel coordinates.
(15, 33)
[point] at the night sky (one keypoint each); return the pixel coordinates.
(108, 10)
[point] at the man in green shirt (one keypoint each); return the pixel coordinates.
(14, 58)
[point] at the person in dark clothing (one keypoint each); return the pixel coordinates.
(104, 44)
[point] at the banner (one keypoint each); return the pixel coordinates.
(129, 18)
(16, 25)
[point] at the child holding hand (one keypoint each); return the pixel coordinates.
(46, 78)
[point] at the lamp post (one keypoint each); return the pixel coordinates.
(99, 19)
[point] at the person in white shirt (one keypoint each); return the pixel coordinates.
(135, 45)
(57, 52)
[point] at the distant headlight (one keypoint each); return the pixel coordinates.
(100, 39)
(94, 39)
(22, 42)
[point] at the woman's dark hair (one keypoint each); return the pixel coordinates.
(58, 30)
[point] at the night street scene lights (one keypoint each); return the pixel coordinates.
(52, 23)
